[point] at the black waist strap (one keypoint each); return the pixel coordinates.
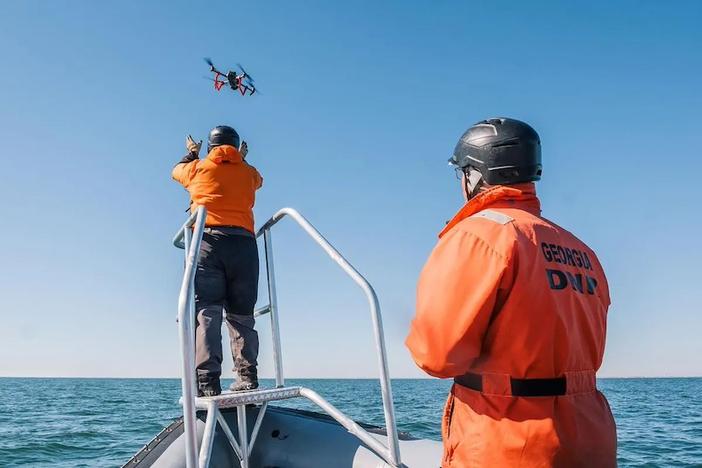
(228, 230)
(520, 387)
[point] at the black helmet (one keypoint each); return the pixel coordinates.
(222, 135)
(505, 151)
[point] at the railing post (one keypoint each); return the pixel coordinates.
(192, 317)
(187, 236)
(186, 333)
(208, 435)
(243, 435)
(188, 239)
(273, 301)
(385, 384)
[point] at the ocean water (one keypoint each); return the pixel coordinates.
(103, 422)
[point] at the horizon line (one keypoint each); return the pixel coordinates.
(314, 378)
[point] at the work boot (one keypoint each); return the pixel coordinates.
(208, 387)
(244, 384)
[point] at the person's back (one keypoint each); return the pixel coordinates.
(514, 308)
(227, 270)
(225, 184)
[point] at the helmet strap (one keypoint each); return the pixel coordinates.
(474, 181)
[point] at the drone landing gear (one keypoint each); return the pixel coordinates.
(217, 82)
(243, 89)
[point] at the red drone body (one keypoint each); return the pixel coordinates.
(241, 82)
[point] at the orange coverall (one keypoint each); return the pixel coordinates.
(507, 294)
(224, 183)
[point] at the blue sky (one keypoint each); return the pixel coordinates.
(362, 104)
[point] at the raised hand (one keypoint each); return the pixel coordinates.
(192, 146)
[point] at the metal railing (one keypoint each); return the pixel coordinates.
(190, 241)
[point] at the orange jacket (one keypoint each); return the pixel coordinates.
(224, 183)
(508, 294)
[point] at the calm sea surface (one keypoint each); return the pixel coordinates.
(103, 422)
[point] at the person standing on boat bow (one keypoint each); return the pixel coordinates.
(514, 309)
(227, 271)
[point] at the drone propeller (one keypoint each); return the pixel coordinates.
(208, 61)
(244, 72)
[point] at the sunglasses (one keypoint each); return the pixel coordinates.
(459, 172)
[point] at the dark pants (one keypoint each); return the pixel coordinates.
(226, 279)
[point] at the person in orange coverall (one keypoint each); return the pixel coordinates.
(227, 271)
(514, 308)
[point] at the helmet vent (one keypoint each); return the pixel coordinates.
(512, 142)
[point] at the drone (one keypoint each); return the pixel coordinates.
(242, 82)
